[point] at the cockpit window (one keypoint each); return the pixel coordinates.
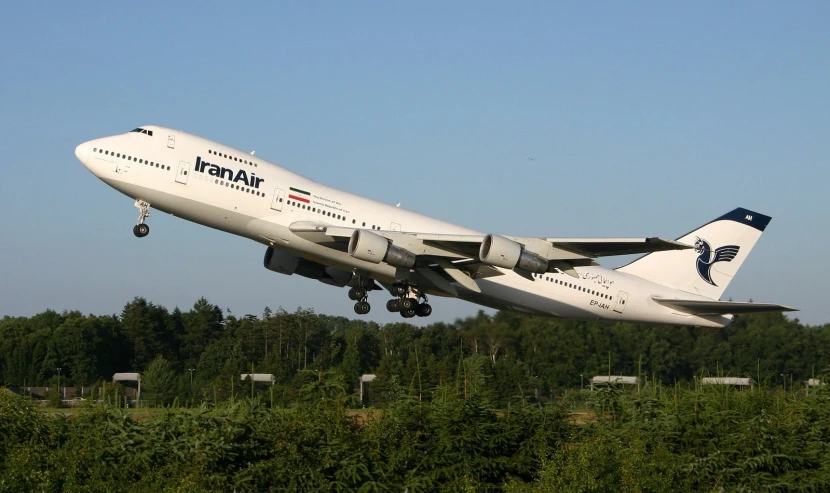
(143, 131)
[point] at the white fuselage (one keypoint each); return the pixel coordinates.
(230, 190)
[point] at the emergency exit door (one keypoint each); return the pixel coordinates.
(622, 297)
(279, 198)
(181, 173)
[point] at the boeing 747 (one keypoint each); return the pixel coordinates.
(344, 240)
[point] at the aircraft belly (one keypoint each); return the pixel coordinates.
(185, 208)
(501, 295)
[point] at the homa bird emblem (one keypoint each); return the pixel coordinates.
(708, 258)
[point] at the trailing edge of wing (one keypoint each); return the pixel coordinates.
(704, 307)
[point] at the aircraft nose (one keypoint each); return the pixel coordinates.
(81, 152)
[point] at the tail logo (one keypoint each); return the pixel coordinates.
(707, 258)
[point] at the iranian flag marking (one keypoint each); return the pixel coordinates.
(299, 195)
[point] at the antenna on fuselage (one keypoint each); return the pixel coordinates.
(253, 152)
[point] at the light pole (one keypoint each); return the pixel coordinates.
(59, 380)
(581, 382)
(191, 370)
(784, 380)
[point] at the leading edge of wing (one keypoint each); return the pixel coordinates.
(713, 307)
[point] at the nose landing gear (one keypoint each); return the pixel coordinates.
(140, 229)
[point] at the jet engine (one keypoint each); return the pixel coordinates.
(288, 264)
(501, 252)
(368, 246)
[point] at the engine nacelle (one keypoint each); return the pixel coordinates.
(288, 264)
(365, 245)
(501, 252)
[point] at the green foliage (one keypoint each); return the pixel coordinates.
(473, 405)
(158, 383)
(660, 439)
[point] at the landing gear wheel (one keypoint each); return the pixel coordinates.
(400, 290)
(393, 305)
(423, 310)
(408, 303)
(353, 294)
(359, 293)
(408, 313)
(362, 307)
(141, 230)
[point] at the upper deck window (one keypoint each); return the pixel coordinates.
(143, 131)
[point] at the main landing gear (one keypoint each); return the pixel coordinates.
(406, 306)
(359, 294)
(140, 229)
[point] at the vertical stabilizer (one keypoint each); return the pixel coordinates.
(720, 249)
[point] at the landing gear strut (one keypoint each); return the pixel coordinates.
(407, 306)
(360, 295)
(140, 229)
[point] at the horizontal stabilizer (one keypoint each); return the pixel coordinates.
(607, 247)
(705, 307)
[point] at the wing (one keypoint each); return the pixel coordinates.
(453, 253)
(580, 250)
(705, 307)
(726, 253)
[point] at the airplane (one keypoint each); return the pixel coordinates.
(346, 240)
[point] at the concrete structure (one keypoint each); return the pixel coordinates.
(733, 381)
(129, 377)
(613, 379)
(813, 382)
(366, 378)
(260, 377)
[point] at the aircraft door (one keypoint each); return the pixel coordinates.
(622, 297)
(279, 198)
(171, 141)
(181, 174)
(395, 227)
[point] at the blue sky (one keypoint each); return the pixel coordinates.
(644, 118)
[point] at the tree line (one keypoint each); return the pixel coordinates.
(200, 353)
